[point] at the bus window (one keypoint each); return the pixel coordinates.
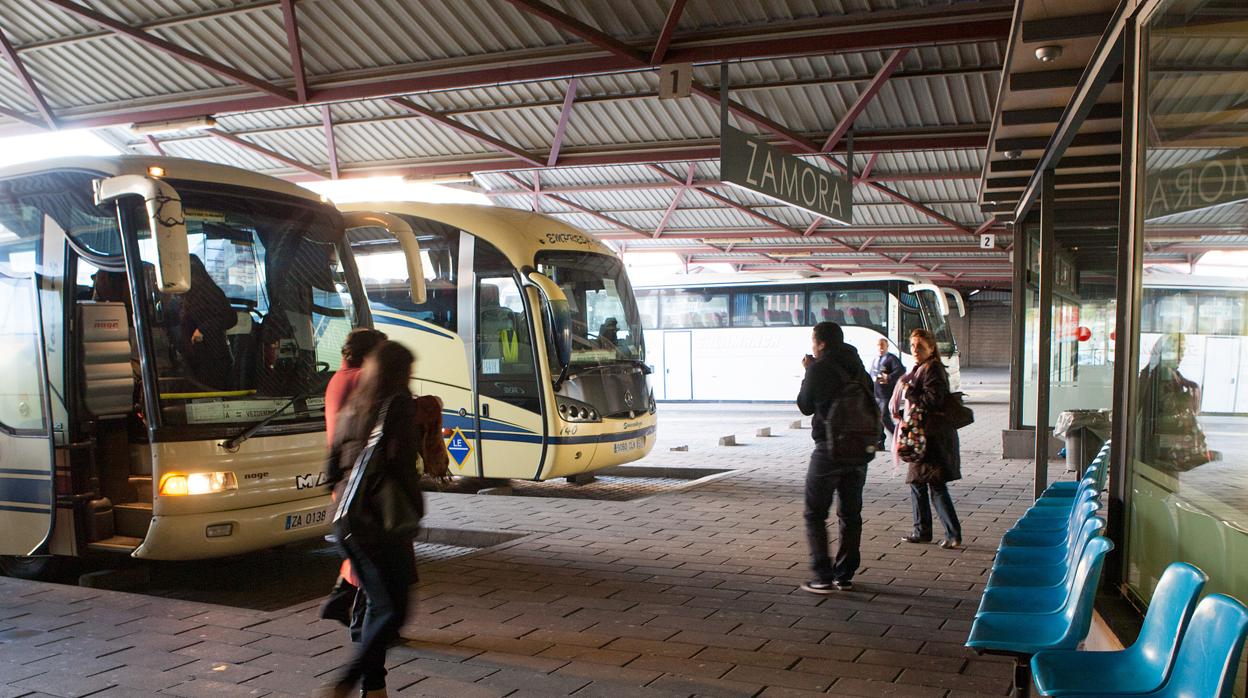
(856, 308)
(937, 324)
(648, 308)
(684, 308)
(1221, 313)
(383, 269)
(505, 367)
(768, 309)
(911, 319)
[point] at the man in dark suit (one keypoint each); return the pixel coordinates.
(886, 370)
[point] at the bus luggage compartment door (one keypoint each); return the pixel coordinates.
(27, 501)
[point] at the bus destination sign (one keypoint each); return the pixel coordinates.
(753, 164)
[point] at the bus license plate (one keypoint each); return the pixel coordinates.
(308, 518)
(630, 444)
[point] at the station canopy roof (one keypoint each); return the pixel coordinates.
(554, 105)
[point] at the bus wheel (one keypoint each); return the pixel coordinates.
(36, 568)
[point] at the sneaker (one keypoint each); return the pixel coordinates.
(950, 544)
(915, 539)
(815, 586)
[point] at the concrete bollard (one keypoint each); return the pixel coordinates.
(764, 432)
(682, 447)
(729, 440)
(796, 425)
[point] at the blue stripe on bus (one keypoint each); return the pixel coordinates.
(26, 509)
(403, 322)
(26, 491)
(562, 440)
(24, 471)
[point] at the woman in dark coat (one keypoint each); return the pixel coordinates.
(927, 387)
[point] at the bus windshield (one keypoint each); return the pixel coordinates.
(606, 326)
(265, 317)
(937, 323)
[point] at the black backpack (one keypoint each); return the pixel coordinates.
(852, 425)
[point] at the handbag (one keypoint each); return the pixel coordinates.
(955, 412)
(372, 504)
(912, 436)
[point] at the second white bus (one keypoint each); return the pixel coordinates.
(740, 338)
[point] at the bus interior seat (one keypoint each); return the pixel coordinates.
(860, 316)
(107, 375)
(834, 315)
(494, 319)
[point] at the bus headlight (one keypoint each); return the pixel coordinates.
(180, 484)
(576, 411)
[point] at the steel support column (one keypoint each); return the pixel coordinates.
(1018, 323)
(1048, 275)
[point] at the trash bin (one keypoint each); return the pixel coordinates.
(1085, 432)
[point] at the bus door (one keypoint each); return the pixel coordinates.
(27, 489)
(510, 428)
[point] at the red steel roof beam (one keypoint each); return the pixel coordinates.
(31, 88)
(557, 142)
(665, 35)
(864, 98)
(865, 175)
(680, 193)
(331, 145)
(296, 50)
(576, 27)
(468, 131)
(577, 207)
(121, 29)
(154, 145)
(248, 145)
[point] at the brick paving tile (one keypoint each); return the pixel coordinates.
(936, 678)
(64, 685)
(12, 671)
(686, 685)
(549, 684)
(219, 672)
(221, 652)
(159, 642)
(440, 688)
(686, 667)
(882, 689)
(505, 660)
(610, 689)
(297, 684)
(124, 692)
(75, 664)
(141, 678)
(215, 689)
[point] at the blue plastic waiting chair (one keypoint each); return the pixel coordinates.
(1019, 537)
(1044, 588)
(1142, 667)
(1066, 487)
(1208, 655)
(1058, 556)
(1022, 635)
(1041, 516)
(1067, 500)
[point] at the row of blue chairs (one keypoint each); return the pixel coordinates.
(1037, 608)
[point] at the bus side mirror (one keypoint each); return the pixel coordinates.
(941, 302)
(407, 242)
(957, 300)
(559, 314)
(164, 218)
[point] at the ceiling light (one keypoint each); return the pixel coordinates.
(198, 123)
(1012, 154)
(156, 171)
(1048, 53)
(441, 179)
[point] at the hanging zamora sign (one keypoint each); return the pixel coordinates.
(754, 164)
(1214, 181)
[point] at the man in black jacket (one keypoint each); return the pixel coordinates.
(832, 363)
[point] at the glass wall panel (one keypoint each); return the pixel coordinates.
(1189, 465)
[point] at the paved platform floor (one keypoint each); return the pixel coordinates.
(690, 592)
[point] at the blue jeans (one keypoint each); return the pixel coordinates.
(943, 502)
(827, 481)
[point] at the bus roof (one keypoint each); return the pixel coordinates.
(175, 168)
(518, 234)
(715, 280)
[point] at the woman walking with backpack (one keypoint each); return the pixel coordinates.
(926, 392)
(379, 439)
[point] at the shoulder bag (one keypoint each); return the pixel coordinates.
(372, 504)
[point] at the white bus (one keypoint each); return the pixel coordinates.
(737, 337)
(528, 331)
(169, 327)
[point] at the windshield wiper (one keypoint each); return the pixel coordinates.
(232, 444)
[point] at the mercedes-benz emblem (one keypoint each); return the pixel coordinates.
(628, 398)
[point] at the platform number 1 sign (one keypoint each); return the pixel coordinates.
(987, 241)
